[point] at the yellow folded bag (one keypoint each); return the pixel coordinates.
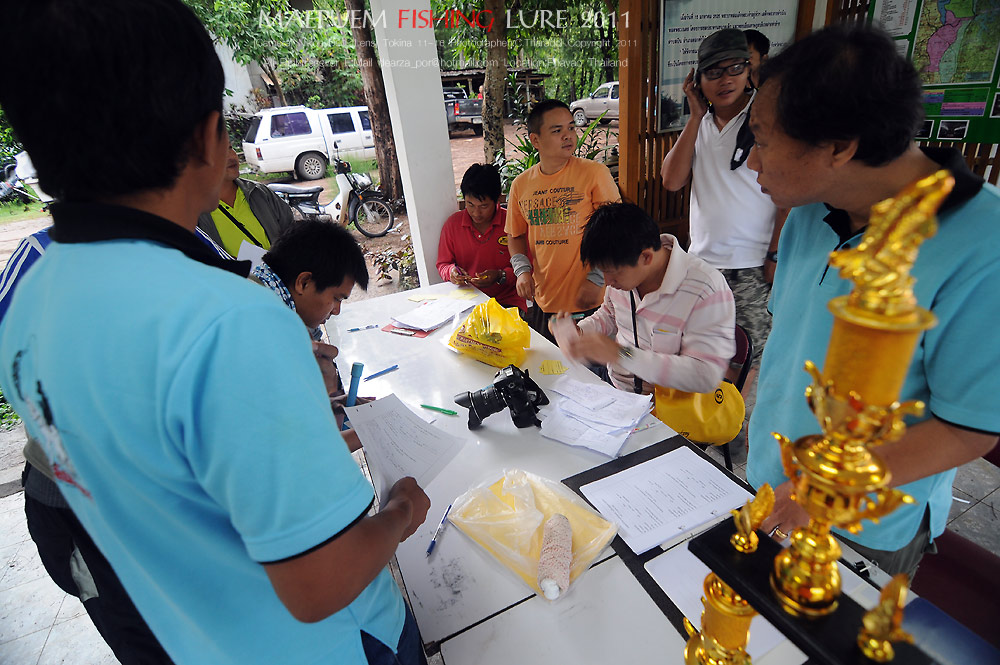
(493, 335)
(714, 417)
(506, 518)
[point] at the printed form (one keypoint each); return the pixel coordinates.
(664, 498)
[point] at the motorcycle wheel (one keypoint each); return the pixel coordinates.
(373, 217)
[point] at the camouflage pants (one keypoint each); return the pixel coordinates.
(751, 291)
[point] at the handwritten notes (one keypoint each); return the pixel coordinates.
(398, 443)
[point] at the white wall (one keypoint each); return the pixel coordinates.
(237, 79)
(416, 110)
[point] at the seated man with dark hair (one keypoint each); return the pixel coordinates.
(313, 268)
(815, 154)
(668, 318)
(473, 246)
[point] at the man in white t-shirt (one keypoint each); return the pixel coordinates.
(734, 227)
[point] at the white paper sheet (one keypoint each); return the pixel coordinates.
(252, 253)
(560, 427)
(398, 443)
(432, 315)
(593, 395)
(626, 410)
(658, 500)
(681, 575)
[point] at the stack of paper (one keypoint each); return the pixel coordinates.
(593, 415)
(432, 315)
(665, 498)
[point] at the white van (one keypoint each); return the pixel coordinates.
(300, 139)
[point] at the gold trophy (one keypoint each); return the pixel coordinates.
(876, 328)
(725, 622)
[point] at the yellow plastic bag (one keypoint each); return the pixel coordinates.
(506, 519)
(493, 335)
(715, 417)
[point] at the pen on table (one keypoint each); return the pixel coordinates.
(447, 412)
(437, 531)
(380, 373)
(374, 325)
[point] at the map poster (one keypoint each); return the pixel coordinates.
(685, 23)
(957, 42)
(955, 46)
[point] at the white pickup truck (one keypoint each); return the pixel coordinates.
(300, 139)
(605, 98)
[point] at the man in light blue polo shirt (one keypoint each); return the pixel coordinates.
(834, 123)
(204, 462)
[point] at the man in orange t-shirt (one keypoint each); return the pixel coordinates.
(549, 204)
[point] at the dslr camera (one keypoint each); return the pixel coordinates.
(511, 387)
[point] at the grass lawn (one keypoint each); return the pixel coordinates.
(14, 211)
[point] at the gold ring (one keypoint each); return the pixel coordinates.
(780, 534)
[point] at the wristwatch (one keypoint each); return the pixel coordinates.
(772, 257)
(503, 277)
(625, 352)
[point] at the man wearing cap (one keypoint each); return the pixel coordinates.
(734, 227)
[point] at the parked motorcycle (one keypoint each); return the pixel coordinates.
(12, 186)
(357, 202)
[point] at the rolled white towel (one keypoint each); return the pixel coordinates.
(556, 557)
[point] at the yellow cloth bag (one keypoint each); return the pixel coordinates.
(506, 519)
(493, 335)
(714, 417)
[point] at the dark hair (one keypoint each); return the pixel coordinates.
(482, 181)
(842, 83)
(116, 90)
(758, 40)
(616, 234)
(534, 121)
(326, 250)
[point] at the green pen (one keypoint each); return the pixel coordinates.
(447, 412)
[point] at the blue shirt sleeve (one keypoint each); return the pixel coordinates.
(28, 251)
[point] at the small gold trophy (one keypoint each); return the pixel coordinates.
(725, 622)
(876, 328)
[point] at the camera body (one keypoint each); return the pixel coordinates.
(511, 388)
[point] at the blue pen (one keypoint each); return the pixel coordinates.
(437, 532)
(378, 374)
(374, 325)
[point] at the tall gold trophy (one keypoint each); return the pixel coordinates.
(876, 327)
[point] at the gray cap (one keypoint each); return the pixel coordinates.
(722, 45)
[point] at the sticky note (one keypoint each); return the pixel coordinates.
(420, 298)
(553, 367)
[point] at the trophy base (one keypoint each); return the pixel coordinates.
(797, 609)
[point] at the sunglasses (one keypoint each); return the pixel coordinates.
(716, 73)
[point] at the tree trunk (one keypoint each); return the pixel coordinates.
(496, 82)
(371, 76)
(271, 74)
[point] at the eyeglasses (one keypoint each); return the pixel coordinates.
(716, 73)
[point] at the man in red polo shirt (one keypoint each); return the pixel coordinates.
(473, 247)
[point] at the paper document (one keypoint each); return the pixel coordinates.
(663, 498)
(569, 430)
(681, 575)
(433, 314)
(398, 443)
(625, 410)
(251, 253)
(593, 395)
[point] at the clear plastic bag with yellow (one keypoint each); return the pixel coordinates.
(493, 335)
(505, 518)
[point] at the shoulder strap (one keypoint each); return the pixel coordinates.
(241, 227)
(636, 381)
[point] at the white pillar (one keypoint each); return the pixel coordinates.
(416, 109)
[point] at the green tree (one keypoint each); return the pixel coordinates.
(256, 32)
(9, 145)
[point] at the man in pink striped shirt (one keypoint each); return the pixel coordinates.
(668, 317)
